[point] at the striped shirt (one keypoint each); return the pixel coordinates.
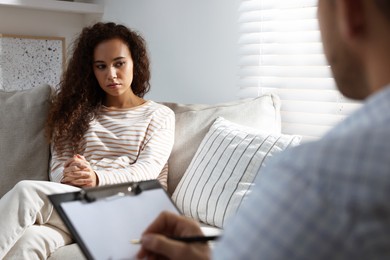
(328, 199)
(124, 145)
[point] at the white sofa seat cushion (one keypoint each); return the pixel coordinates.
(223, 170)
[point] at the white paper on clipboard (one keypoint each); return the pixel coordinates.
(107, 226)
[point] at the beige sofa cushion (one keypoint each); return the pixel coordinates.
(24, 152)
(194, 120)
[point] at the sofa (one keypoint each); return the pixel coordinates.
(217, 152)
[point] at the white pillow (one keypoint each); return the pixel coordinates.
(223, 169)
(194, 120)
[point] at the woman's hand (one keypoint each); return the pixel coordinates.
(78, 172)
(156, 244)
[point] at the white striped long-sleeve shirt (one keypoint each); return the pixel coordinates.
(124, 145)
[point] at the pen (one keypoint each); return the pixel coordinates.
(185, 239)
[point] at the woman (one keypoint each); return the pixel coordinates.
(102, 132)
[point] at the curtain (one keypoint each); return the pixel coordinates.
(280, 51)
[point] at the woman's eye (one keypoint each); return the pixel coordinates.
(100, 66)
(119, 64)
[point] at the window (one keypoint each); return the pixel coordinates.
(281, 52)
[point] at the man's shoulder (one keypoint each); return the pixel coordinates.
(336, 161)
(366, 143)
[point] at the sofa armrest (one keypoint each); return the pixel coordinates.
(24, 150)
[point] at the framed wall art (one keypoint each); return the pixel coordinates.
(29, 61)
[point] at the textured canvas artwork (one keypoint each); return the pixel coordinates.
(26, 62)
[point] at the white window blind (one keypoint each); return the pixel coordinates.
(281, 52)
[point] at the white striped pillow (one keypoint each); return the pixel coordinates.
(223, 169)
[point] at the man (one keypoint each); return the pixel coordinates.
(328, 199)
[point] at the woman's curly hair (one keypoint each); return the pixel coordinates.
(384, 7)
(79, 97)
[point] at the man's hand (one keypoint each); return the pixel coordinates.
(78, 172)
(156, 244)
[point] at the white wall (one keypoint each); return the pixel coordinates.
(23, 21)
(192, 44)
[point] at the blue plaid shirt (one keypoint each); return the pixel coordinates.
(328, 199)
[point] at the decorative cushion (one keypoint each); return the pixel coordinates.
(223, 169)
(24, 151)
(194, 120)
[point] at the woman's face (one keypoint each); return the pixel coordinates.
(113, 69)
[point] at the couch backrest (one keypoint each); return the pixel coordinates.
(24, 152)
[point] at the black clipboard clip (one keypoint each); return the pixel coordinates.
(112, 191)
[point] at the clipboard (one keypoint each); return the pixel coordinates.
(104, 220)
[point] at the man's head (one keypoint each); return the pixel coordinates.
(356, 36)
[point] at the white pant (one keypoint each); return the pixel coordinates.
(29, 226)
